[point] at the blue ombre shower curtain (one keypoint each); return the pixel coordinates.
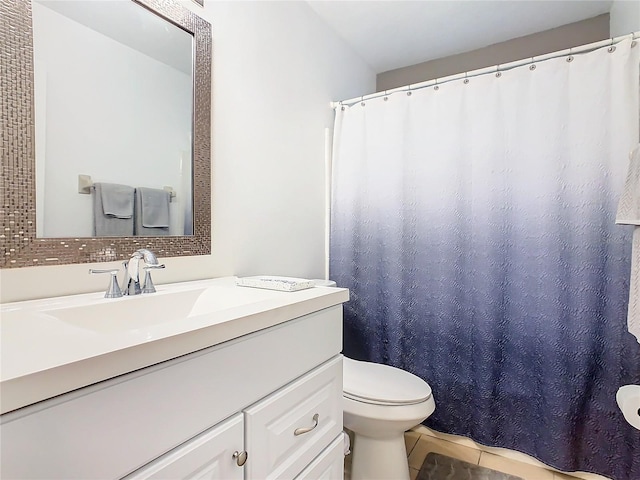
(474, 226)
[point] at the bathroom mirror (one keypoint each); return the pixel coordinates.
(113, 100)
(167, 53)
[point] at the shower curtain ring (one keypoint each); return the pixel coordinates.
(533, 65)
(611, 48)
(408, 90)
(385, 96)
(436, 87)
(466, 80)
(362, 100)
(570, 57)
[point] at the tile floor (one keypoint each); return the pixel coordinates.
(419, 442)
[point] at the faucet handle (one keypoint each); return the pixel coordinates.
(148, 286)
(113, 290)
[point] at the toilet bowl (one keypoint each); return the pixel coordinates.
(380, 403)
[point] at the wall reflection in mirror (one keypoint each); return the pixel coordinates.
(113, 87)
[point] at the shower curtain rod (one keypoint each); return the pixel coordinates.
(493, 69)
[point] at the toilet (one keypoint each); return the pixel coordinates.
(380, 403)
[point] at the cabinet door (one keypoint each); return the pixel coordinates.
(207, 456)
(288, 429)
(329, 465)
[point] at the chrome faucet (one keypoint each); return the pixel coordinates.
(132, 272)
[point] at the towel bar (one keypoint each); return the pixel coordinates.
(85, 183)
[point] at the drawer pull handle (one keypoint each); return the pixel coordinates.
(302, 431)
(241, 457)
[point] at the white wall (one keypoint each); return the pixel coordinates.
(625, 17)
(276, 67)
(84, 98)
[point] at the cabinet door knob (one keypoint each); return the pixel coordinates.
(241, 457)
(301, 431)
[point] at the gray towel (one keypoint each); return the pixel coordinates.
(112, 210)
(152, 212)
(117, 200)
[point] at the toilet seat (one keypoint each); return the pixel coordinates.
(379, 384)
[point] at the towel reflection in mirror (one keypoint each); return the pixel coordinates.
(122, 210)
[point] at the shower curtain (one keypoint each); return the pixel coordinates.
(474, 224)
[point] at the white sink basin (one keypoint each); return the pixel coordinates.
(143, 312)
(129, 313)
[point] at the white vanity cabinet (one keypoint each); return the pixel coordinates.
(186, 417)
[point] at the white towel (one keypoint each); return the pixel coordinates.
(629, 214)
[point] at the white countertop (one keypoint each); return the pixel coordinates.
(48, 348)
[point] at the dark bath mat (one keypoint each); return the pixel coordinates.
(441, 467)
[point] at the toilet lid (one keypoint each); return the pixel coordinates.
(382, 384)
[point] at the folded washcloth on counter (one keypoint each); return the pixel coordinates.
(113, 207)
(272, 282)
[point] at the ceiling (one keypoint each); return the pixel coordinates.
(123, 22)
(395, 34)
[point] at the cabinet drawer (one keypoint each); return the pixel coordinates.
(329, 465)
(207, 456)
(281, 434)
